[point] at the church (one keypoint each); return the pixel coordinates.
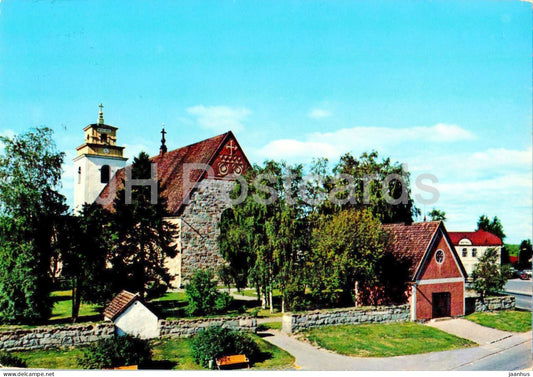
(195, 181)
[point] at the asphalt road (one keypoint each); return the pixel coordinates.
(522, 290)
(517, 357)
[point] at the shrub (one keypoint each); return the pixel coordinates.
(203, 295)
(216, 341)
(116, 351)
(9, 360)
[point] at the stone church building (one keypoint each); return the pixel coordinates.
(195, 181)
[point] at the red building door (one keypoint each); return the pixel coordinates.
(441, 304)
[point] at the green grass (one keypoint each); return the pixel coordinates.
(384, 340)
(170, 353)
(63, 308)
(507, 320)
(64, 358)
(270, 326)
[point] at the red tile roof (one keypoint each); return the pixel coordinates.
(120, 303)
(170, 171)
(411, 241)
(478, 238)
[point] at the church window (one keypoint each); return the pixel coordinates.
(465, 252)
(474, 252)
(103, 138)
(79, 174)
(104, 174)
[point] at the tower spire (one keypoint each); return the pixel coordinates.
(101, 114)
(163, 148)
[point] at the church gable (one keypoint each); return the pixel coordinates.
(230, 161)
(180, 170)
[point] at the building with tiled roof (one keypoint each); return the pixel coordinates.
(437, 274)
(195, 181)
(472, 245)
(131, 317)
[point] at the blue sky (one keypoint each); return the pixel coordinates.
(443, 86)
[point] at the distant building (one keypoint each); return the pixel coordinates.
(131, 316)
(472, 245)
(437, 274)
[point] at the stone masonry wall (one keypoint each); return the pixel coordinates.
(495, 303)
(57, 336)
(199, 226)
(298, 322)
(184, 328)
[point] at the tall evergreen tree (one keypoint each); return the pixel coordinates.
(142, 237)
(30, 209)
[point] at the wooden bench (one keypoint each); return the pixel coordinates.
(232, 360)
(126, 367)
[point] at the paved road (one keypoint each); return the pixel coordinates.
(522, 290)
(512, 353)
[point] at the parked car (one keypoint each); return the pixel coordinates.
(525, 275)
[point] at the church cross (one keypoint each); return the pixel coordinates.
(231, 147)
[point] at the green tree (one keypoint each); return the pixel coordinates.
(263, 234)
(30, 209)
(142, 237)
(380, 186)
(203, 295)
(493, 226)
(489, 277)
(437, 215)
(345, 254)
(235, 246)
(84, 244)
(526, 252)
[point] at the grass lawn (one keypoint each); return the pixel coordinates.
(63, 308)
(167, 354)
(506, 320)
(384, 340)
(270, 326)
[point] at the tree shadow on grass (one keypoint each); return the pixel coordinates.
(161, 365)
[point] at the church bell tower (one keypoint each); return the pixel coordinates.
(99, 158)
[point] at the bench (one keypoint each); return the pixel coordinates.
(126, 367)
(232, 360)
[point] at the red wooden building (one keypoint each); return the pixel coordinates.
(437, 274)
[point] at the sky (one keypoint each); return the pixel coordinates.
(443, 87)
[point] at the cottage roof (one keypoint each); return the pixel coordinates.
(412, 241)
(119, 304)
(170, 171)
(478, 238)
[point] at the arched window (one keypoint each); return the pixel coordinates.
(104, 174)
(79, 174)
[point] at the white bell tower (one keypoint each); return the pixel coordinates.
(98, 160)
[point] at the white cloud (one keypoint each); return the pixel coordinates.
(319, 114)
(220, 118)
(360, 139)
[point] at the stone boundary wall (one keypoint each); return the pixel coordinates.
(56, 336)
(77, 335)
(495, 303)
(184, 328)
(475, 304)
(297, 322)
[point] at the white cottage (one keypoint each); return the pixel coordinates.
(131, 316)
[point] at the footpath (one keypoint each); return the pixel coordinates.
(309, 357)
